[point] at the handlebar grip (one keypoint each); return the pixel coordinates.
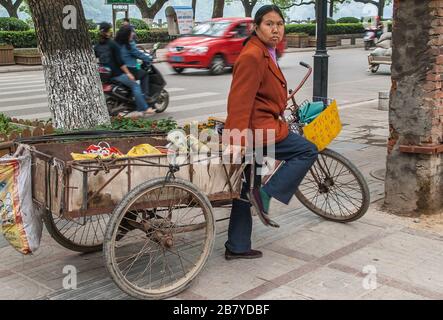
(304, 64)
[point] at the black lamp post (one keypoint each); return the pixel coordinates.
(321, 56)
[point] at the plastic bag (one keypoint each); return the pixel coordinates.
(21, 223)
(308, 112)
(323, 130)
(143, 150)
(102, 150)
(379, 52)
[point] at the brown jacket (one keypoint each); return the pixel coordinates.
(258, 94)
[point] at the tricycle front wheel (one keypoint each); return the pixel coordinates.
(159, 238)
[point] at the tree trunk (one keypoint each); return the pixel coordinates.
(11, 8)
(414, 173)
(149, 13)
(75, 94)
(194, 7)
(249, 6)
(219, 6)
(381, 8)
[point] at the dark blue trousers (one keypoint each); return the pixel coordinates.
(298, 155)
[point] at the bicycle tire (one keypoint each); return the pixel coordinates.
(355, 207)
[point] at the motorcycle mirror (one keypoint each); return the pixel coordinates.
(156, 46)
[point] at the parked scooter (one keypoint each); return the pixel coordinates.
(119, 98)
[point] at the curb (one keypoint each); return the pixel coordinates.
(293, 50)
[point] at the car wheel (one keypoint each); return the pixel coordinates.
(179, 70)
(217, 65)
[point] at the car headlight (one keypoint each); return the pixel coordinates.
(199, 50)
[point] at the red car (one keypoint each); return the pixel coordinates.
(212, 45)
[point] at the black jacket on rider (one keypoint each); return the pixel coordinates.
(109, 55)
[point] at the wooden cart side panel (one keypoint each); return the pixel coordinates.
(56, 183)
(38, 180)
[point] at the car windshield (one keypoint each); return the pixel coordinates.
(211, 29)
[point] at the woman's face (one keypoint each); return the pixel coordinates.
(271, 29)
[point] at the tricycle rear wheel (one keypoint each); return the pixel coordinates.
(159, 238)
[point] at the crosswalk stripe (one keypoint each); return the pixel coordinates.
(23, 107)
(202, 118)
(22, 86)
(35, 116)
(40, 96)
(6, 80)
(192, 96)
(22, 91)
(175, 89)
(194, 106)
(21, 83)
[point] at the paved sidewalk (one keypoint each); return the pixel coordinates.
(380, 256)
(161, 58)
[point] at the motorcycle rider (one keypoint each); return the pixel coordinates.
(109, 54)
(130, 54)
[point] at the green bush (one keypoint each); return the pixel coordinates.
(27, 39)
(345, 28)
(348, 20)
(19, 39)
(152, 36)
(333, 29)
(300, 28)
(13, 24)
(329, 21)
(92, 25)
(137, 23)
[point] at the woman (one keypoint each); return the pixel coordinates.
(256, 102)
(130, 54)
(109, 55)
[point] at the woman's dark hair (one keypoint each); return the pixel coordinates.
(258, 18)
(123, 36)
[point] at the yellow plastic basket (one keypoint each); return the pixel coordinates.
(325, 128)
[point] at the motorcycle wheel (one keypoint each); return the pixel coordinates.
(162, 101)
(367, 45)
(113, 107)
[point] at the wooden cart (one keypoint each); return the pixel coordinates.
(376, 61)
(122, 204)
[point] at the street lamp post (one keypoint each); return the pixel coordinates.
(321, 57)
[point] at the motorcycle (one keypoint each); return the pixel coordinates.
(119, 98)
(371, 37)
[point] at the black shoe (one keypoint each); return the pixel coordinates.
(251, 254)
(257, 205)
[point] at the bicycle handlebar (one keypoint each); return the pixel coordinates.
(302, 83)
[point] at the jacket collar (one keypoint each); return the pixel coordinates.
(273, 66)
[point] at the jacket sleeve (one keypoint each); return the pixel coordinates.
(247, 78)
(138, 54)
(116, 53)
